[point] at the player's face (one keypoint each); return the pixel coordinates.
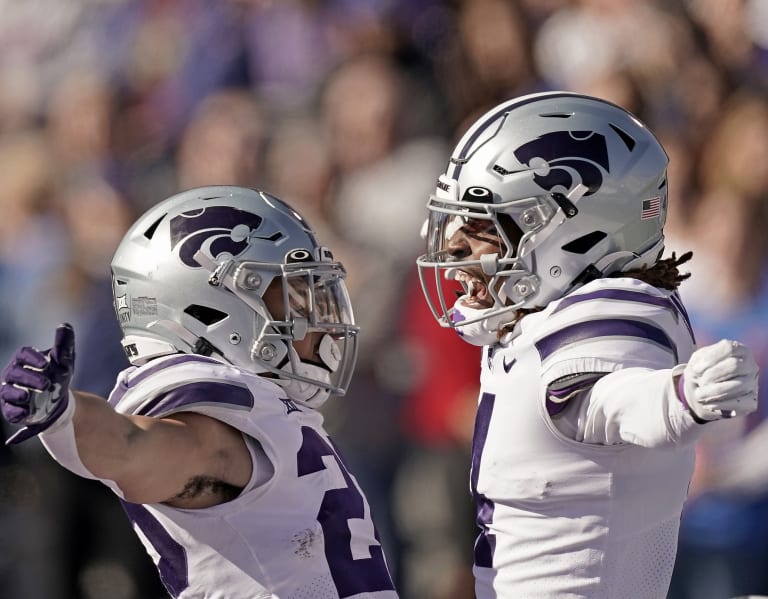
(307, 348)
(469, 241)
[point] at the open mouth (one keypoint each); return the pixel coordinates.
(476, 293)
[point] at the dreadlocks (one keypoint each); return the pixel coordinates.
(664, 274)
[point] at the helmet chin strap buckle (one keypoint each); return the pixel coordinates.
(203, 347)
(218, 274)
(218, 270)
(329, 352)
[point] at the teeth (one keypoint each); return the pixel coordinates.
(472, 284)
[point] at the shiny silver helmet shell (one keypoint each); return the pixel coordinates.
(576, 188)
(189, 276)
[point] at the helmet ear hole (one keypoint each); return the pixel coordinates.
(205, 314)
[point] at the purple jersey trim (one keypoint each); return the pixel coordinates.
(485, 544)
(558, 397)
(592, 329)
(672, 303)
(152, 368)
(173, 564)
(204, 392)
(616, 294)
(675, 299)
(681, 392)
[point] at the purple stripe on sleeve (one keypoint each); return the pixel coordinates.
(207, 392)
(592, 329)
(671, 303)
(560, 393)
(616, 294)
(117, 394)
(554, 408)
(675, 299)
(152, 368)
(558, 397)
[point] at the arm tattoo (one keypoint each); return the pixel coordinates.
(202, 485)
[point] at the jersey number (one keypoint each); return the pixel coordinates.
(352, 547)
(356, 561)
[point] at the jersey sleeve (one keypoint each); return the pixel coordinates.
(609, 325)
(607, 355)
(191, 383)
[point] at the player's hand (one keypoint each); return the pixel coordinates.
(720, 381)
(35, 384)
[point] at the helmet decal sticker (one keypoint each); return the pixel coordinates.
(214, 229)
(651, 208)
(299, 255)
(122, 309)
(564, 156)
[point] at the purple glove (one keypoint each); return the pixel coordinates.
(35, 385)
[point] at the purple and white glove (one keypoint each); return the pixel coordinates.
(35, 385)
(719, 381)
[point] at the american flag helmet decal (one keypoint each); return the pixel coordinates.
(651, 208)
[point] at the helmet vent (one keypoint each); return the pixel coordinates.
(556, 115)
(150, 231)
(204, 314)
(583, 244)
(625, 137)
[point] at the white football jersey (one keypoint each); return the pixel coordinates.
(305, 533)
(561, 517)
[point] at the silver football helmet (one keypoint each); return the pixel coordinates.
(572, 187)
(236, 273)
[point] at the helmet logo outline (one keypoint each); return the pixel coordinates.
(564, 157)
(215, 230)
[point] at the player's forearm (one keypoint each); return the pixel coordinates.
(91, 439)
(637, 406)
(103, 436)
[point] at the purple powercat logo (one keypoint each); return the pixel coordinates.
(215, 230)
(573, 157)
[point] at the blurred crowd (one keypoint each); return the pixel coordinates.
(348, 109)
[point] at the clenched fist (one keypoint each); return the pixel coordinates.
(720, 381)
(35, 385)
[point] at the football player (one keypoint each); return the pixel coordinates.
(238, 327)
(550, 219)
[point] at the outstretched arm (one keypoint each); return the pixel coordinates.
(154, 460)
(654, 408)
(149, 459)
